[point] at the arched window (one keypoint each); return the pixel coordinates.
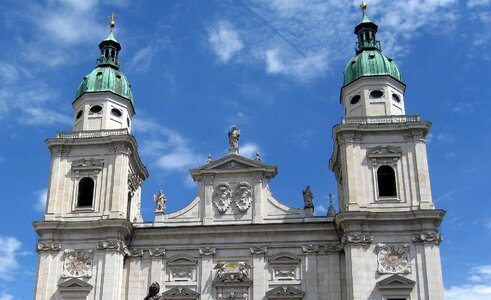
(85, 192)
(386, 179)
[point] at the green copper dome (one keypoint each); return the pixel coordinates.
(107, 77)
(369, 59)
(370, 63)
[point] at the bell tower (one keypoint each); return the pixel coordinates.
(387, 221)
(94, 191)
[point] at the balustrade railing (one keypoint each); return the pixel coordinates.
(381, 119)
(90, 133)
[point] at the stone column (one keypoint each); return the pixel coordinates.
(260, 273)
(310, 272)
(207, 203)
(259, 205)
(112, 256)
(206, 274)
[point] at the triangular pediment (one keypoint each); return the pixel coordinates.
(180, 292)
(234, 163)
(75, 286)
(396, 282)
(285, 291)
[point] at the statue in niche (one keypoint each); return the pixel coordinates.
(233, 140)
(160, 202)
(308, 198)
(153, 292)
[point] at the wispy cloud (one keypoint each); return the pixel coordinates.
(6, 296)
(302, 39)
(169, 150)
(249, 150)
(224, 40)
(40, 204)
(320, 210)
(9, 249)
(478, 3)
(478, 286)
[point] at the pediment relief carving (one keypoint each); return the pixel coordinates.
(87, 165)
(285, 291)
(180, 292)
(232, 273)
(232, 165)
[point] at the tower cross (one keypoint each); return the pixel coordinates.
(112, 17)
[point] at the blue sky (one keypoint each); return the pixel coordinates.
(273, 68)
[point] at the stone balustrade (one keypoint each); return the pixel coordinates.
(90, 133)
(381, 119)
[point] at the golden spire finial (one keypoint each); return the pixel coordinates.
(112, 23)
(363, 6)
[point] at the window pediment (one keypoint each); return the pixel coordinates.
(285, 292)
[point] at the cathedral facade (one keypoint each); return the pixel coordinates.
(235, 240)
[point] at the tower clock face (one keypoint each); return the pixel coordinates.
(393, 259)
(78, 263)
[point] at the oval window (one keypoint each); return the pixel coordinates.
(355, 99)
(116, 112)
(396, 98)
(96, 109)
(79, 114)
(376, 94)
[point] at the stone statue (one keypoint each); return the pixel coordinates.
(153, 292)
(308, 198)
(233, 140)
(160, 202)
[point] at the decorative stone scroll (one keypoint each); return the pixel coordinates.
(134, 252)
(384, 155)
(349, 138)
(48, 246)
(393, 258)
(428, 237)
(222, 197)
(243, 196)
(357, 239)
(119, 148)
(156, 252)
(258, 250)
(77, 263)
(414, 135)
(310, 249)
(118, 246)
(207, 251)
(60, 150)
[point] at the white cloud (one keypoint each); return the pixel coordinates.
(249, 150)
(445, 138)
(320, 210)
(168, 148)
(477, 3)
(477, 288)
(40, 204)
(302, 39)
(9, 249)
(224, 40)
(6, 296)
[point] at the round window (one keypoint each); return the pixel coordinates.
(96, 109)
(355, 99)
(116, 112)
(396, 98)
(376, 94)
(79, 114)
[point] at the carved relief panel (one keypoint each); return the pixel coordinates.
(284, 267)
(240, 196)
(182, 268)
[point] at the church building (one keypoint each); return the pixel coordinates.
(235, 240)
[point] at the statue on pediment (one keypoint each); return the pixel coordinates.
(233, 140)
(160, 202)
(308, 198)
